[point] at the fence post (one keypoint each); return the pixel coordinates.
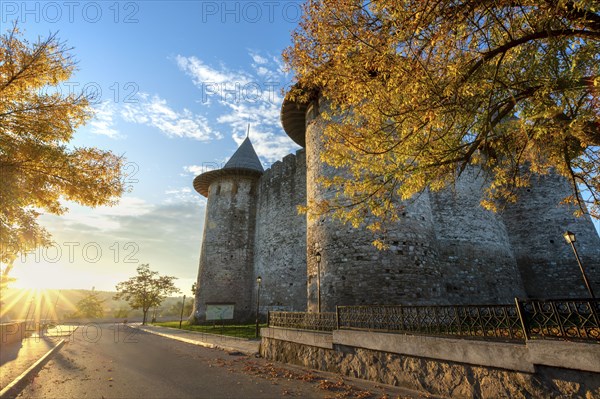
(268, 318)
(457, 319)
(402, 318)
(522, 319)
(594, 305)
(337, 317)
(559, 322)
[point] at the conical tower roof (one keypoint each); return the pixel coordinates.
(245, 157)
(244, 162)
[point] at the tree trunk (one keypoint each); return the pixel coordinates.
(144, 320)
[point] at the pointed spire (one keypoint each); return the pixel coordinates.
(245, 158)
(244, 162)
(248, 134)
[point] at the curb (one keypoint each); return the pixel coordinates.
(17, 385)
(199, 343)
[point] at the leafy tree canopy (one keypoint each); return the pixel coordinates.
(416, 91)
(145, 290)
(38, 167)
(89, 306)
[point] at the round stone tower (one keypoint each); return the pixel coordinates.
(546, 261)
(225, 275)
(475, 257)
(342, 264)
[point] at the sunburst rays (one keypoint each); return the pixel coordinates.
(36, 305)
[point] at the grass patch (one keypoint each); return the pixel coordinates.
(232, 330)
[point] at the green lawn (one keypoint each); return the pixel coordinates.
(239, 331)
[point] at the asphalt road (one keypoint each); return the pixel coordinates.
(114, 361)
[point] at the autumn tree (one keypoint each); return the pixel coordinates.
(175, 308)
(146, 290)
(90, 306)
(38, 166)
(417, 91)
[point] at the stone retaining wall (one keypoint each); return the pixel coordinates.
(12, 332)
(443, 366)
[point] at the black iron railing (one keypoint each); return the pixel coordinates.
(561, 318)
(526, 319)
(303, 320)
(485, 321)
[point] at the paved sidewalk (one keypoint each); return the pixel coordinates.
(337, 384)
(18, 358)
(230, 344)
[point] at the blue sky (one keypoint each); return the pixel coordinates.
(176, 84)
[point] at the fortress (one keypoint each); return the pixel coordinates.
(445, 249)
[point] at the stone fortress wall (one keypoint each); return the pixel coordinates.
(445, 249)
(280, 246)
(475, 256)
(353, 271)
(536, 224)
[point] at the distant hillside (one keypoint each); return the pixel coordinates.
(18, 302)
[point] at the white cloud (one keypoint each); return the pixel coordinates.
(166, 235)
(268, 145)
(103, 122)
(251, 96)
(182, 194)
(269, 140)
(104, 218)
(131, 206)
(154, 111)
(203, 74)
(196, 170)
(262, 71)
(258, 58)
(183, 190)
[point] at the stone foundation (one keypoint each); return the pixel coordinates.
(439, 377)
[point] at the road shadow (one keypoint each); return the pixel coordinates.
(10, 351)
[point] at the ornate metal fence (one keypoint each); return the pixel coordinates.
(561, 318)
(527, 319)
(490, 321)
(303, 320)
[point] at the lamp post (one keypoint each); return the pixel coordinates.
(570, 239)
(318, 258)
(258, 281)
(181, 316)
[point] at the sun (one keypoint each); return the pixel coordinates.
(37, 276)
(33, 305)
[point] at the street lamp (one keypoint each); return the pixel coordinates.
(181, 316)
(258, 281)
(570, 239)
(318, 258)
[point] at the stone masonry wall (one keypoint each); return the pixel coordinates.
(280, 247)
(353, 271)
(449, 379)
(536, 224)
(476, 260)
(226, 259)
(445, 249)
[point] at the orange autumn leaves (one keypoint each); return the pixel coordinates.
(417, 91)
